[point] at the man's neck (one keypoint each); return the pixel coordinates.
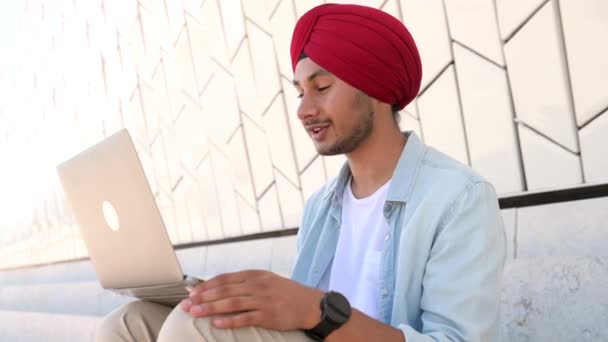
(373, 162)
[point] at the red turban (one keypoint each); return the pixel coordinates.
(363, 46)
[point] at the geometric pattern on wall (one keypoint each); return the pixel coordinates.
(516, 89)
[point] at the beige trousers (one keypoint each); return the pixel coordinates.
(147, 322)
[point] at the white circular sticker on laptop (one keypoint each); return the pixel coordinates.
(110, 215)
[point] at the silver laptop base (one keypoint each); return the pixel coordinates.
(165, 294)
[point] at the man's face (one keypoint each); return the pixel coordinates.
(336, 116)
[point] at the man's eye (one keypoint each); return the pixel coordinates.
(320, 89)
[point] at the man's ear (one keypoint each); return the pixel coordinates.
(374, 103)
(381, 107)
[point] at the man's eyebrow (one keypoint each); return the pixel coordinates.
(320, 72)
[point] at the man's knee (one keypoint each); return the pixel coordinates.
(135, 321)
(181, 326)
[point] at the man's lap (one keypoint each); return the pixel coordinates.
(144, 321)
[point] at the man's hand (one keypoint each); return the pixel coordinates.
(255, 298)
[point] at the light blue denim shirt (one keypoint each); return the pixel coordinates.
(442, 264)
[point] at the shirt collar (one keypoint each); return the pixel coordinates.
(404, 176)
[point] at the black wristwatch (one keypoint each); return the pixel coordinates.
(335, 311)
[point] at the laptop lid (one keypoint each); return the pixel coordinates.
(118, 217)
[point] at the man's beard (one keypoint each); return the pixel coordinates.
(353, 140)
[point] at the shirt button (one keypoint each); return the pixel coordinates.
(388, 207)
(384, 292)
(387, 236)
(315, 270)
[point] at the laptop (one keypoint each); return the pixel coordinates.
(120, 222)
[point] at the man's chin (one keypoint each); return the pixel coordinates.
(322, 150)
(328, 150)
(328, 154)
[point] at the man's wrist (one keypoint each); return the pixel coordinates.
(314, 312)
(335, 312)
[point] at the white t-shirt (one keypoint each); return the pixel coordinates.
(355, 271)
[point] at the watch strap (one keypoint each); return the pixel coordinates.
(327, 324)
(321, 330)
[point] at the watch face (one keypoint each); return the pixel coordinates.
(337, 307)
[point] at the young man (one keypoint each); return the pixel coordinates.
(405, 244)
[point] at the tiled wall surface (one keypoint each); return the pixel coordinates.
(516, 89)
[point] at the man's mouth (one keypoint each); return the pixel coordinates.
(318, 131)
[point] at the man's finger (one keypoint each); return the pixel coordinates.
(225, 306)
(222, 279)
(245, 319)
(225, 279)
(221, 292)
(186, 304)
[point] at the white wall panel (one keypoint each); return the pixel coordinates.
(205, 89)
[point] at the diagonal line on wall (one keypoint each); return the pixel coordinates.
(478, 54)
(384, 4)
(218, 149)
(309, 164)
(293, 8)
(177, 183)
(605, 110)
(562, 42)
(400, 11)
(538, 132)
(423, 90)
(290, 80)
(520, 157)
(219, 9)
(179, 113)
(253, 122)
(497, 21)
(238, 48)
(234, 133)
(142, 6)
(271, 102)
(166, 10)
(250, 20)
(536, 10)
(458, 93)
(205, 86)
(219, 64)
(296, 186)
(251, 206)
(200, 162)
(274, 10)
(411, 115)
(268, 187)
(192, 59)
(189, 97)
(179, 35)
(189, 16)
(246, 202)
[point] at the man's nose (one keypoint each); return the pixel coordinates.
(307, 108)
